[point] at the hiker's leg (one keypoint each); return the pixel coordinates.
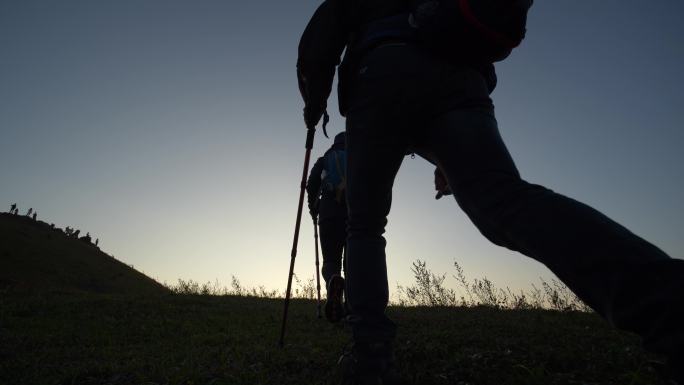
(333, 232)
(377, 122)
(629, 281)
(373, 159)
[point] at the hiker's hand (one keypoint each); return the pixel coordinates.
(313, 210)
(313, 113)
(441, 184)
(313, 110)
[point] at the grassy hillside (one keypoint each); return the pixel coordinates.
(71, 314)
(35, 257)
(181, 339)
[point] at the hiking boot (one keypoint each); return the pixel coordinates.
(369, 364)
(334, 307)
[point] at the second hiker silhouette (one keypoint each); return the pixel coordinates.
(326, 190)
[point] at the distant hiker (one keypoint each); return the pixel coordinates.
(327, 204)
(35, 215)
(97, 241)
(86, 238)
(13, 207)
(418, 78)
(28, 213)
(52, 226)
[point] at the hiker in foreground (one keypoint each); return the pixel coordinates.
(418, 78)
(327, 204)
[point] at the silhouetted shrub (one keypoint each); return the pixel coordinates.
(191, 287)
(429, 290)
(306, 290)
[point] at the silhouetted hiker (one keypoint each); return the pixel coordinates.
(97, 241)
(35, 215)
(414, 80)
(28, 213)
(86, 238)
(327, 203)
(13, 207)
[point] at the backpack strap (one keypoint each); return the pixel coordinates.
(326, 119)
(491, 34)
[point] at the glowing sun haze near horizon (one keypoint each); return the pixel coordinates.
(172, 131)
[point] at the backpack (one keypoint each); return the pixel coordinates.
(484, 31)
(335, 173)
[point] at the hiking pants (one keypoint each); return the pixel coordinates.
(332, 225)
(403, 99)
(333, 238)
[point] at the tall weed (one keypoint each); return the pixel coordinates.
(429, 290)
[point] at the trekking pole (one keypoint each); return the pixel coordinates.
(309, 145)
(318, 275)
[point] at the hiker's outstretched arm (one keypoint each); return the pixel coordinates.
(320, 50)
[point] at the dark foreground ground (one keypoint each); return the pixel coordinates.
(88, 339)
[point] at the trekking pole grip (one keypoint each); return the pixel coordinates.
(310, 138)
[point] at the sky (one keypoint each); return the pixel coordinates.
(172, 131)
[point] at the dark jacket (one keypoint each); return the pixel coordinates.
(334, 26)
(340, 24)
